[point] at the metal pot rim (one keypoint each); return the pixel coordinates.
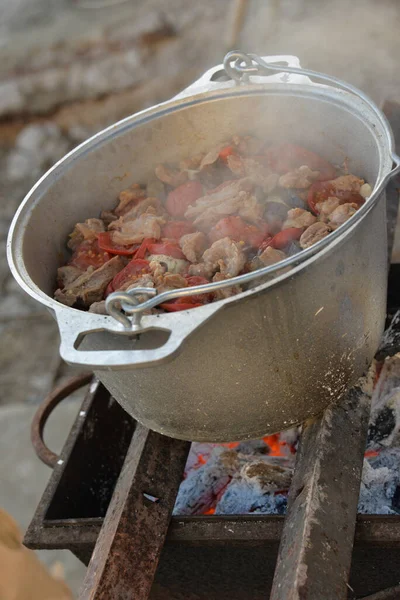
(313, 91)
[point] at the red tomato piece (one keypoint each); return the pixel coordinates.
(238, 230)
(132, 270)
(182, 197)
(287, 157)
(284, 237)
(106, 243)
(88, 254)
(143, 248)
(225, 152)
(174, 230)
(167, 248)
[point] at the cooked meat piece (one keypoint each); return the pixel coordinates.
(341, 214)
(170, 176)
(145, 281)
(128, 198)
(258, 173)
(91, 285)
(158, 271)
(66, 275)
(297, 217)
(349, 183)
(173, 265)
(211, 157)
(326, 207)
(171, 281)
(247, 144)
(155, 189)
(193, 245)
(85, 231)
(164, 280)
(300, 178)
(192, 163)
(202, 270)
(250, 209)
(313, 234)
(225, 292)
(208, 210)
(149, 205)
(270, 256)
(365, 190)
(99, 308)
(129, 232)
(107, 216)
(226, 256)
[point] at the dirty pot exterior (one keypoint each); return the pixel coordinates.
(270, 357)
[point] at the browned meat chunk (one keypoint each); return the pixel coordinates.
(128, 198)
(313, 234)
(202, 270)
(85, 231)
(349, 183)
(192, 163)
(258, 173)
(170, 176)
(225, 292)
(107, 216)
(129, 232)
(226, 256)
(193, 245)
(248, 145)
(297, 217)
(270, 256)
(66, 275)
(91, 285)
(227, 200)
(300, 178)
(148, 205)
(341, 214)
(98, 308)
(211, 157)
(163, 280)
(326, 207)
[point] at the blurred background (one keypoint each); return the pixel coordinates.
(68, 68)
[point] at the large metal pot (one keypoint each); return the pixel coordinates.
(273, 355)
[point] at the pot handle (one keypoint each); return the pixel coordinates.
(75, 325)
(218, 77)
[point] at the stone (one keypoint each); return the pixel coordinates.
(29, 358)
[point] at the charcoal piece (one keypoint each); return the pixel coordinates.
(396, 500)
(383, 425)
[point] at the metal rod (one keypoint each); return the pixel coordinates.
(129, 545)
(316, 546)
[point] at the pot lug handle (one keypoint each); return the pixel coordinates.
(74, 325)
(218, 77)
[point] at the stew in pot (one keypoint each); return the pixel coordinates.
(240, 207)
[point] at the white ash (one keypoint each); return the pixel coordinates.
(380, 478)
(245, 478)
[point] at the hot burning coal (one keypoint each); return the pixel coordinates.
(254, 476)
